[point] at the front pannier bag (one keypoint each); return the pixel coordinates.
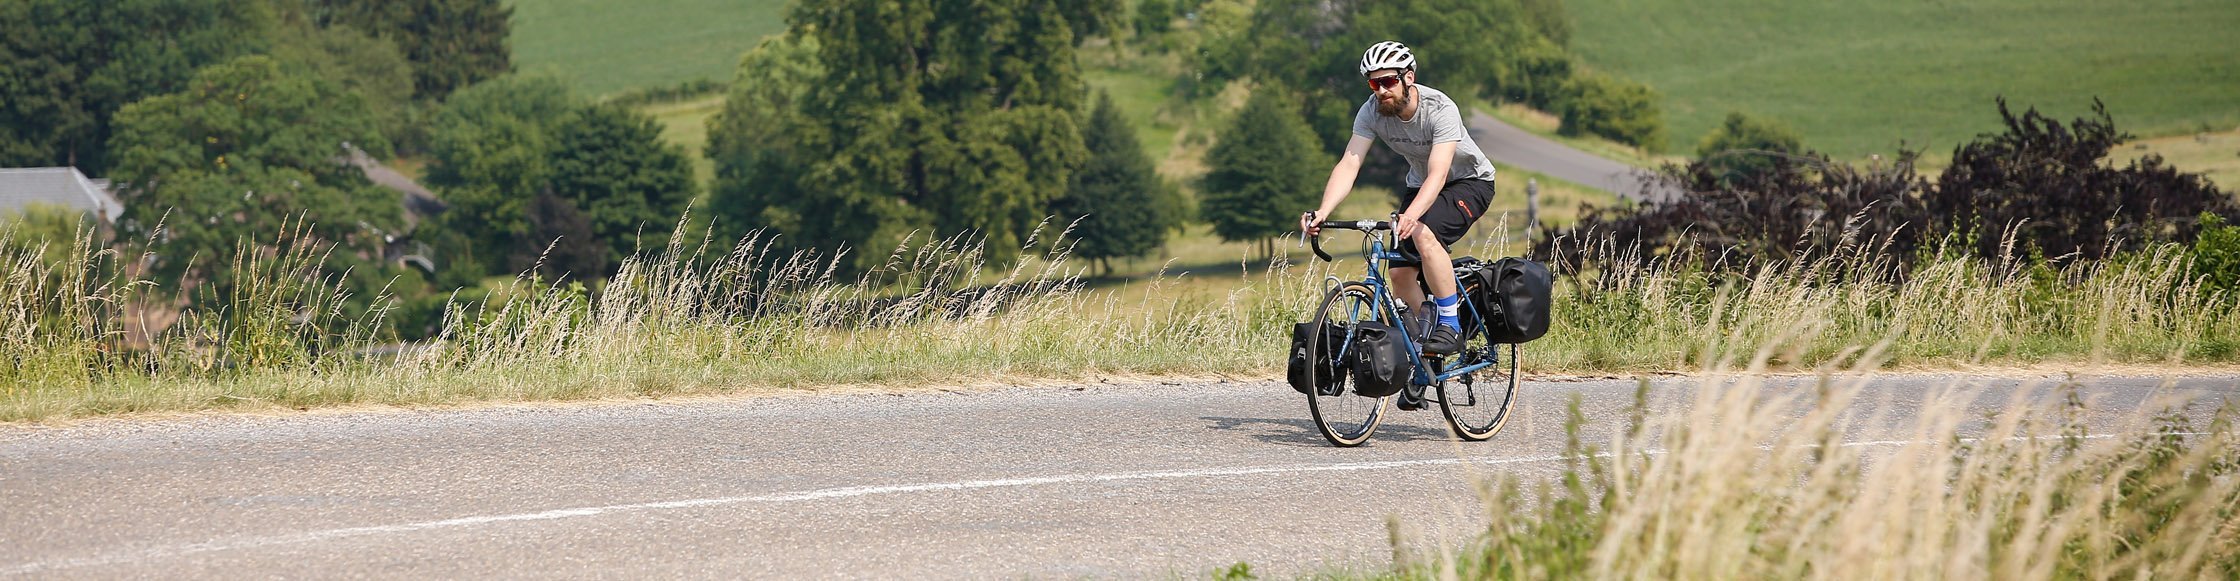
(1513, 296)
(1380, 360)
(1318, 365)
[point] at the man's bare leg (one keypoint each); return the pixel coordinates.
(1404, 287)
(1438, 265)
(1438, 271)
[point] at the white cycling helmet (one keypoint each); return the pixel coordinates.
(1387, 55)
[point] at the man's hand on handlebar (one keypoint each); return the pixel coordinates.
(1310, 223)
(1405, 226)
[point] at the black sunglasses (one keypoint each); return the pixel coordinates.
(1384, 82)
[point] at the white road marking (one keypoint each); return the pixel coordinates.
(820, 494)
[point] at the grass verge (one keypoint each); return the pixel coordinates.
(72, 342)
(1736, 484)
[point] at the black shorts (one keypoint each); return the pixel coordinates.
(1460, 204)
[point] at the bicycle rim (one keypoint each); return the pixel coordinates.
(1343, 418)
(1478, 409)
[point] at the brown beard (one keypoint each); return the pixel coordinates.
(1392, 108)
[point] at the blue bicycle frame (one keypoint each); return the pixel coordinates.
(1378, 256)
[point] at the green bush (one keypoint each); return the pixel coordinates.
(1618, 109)
(2216, 253)
(1746, 146)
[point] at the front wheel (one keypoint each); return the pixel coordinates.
(1343, 418)
(1478, 404)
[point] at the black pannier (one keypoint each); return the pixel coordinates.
(1380, 360)
(1512, 295)
(1319, 363)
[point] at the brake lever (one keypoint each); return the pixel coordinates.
(1316, 240)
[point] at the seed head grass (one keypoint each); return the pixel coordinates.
(87, 335)
(1740, 481)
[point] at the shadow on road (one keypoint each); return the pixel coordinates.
(1301, 432)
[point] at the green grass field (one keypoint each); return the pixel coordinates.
(1859, 77)
(685, 123)
(2213, 155)
(604, 47)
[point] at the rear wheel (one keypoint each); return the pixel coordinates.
(1478, 404)
(1343, 418)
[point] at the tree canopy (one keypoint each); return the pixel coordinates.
(239, 155)
(932, 118)
(489, 146)
(611, 164)
(1118, 204)
(67, 66)
(451, 43)
(1745, 146)
(500, 145)
(1265, 171)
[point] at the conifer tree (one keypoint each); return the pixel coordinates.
(1116, 200)
(1265, 171)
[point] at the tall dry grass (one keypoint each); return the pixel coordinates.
(669, 323)
(75, 339)
(1738, 484)
(1672, 312)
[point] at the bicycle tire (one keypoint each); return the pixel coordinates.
(1332, 405)
(1485, 398)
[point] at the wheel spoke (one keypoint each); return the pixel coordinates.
(1343, 418)
(1479, 408)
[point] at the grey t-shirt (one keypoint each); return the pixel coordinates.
(1437, 120)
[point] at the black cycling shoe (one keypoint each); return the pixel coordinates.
(1444, 340)
(1409, 402)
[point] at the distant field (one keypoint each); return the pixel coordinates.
(2213, 155)
(1858, 77)
(605, 46)
(685, 123)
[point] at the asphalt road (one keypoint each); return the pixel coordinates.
(1509, 145)
(1090, 481)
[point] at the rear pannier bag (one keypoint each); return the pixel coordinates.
(1380, 360)
(1513, 295)
(1314, 365)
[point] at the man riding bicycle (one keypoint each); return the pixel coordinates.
(1425, 127)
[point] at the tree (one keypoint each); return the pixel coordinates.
(1154, 17)
(1621, 110)
(1265, 171)
(1089, 18)
(1116, 201)
(240, 155)
(1744, 146)
(354, 61)
(941, 117)
(67, 66)
(451, 43)
(561, 242)
(758, 142)
(611, 163)
(490, 147)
